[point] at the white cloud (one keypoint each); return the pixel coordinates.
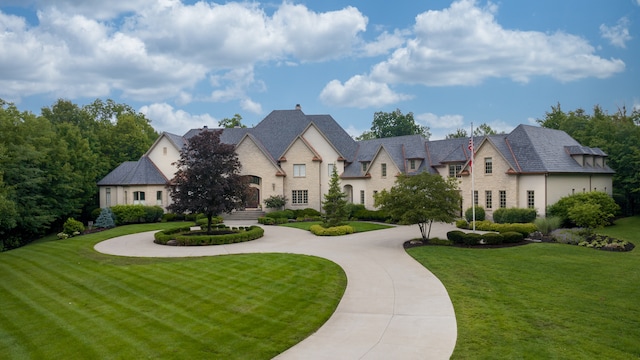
(385, 42)
(360, 92)
(618, 34)
(158, 50)
(441, 122)
(464, 45)
(251, 106)
(165, 118)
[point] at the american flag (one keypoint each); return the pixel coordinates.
(471, 149)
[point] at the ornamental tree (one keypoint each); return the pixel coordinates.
(208, 179)
(334, 203)
(421, 199)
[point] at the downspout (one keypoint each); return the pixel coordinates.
(546, 192)
(320, 184)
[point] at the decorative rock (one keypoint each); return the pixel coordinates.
(172, 242)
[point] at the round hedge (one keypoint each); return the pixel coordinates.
(181, 237)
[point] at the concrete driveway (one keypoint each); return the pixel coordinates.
(393, 308)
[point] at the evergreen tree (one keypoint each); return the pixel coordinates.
(106, 219)
(334, 203)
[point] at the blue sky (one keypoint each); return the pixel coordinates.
(186, 64)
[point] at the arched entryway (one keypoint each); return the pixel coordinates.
(348, 190)
(253, 197)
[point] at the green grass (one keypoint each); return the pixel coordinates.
(61, 299)
(359, 226)
(543, 301)
(624, 229)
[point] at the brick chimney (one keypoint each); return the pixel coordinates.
(298, 107)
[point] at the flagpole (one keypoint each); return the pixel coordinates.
(473, 189)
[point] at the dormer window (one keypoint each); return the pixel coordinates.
(364, 166)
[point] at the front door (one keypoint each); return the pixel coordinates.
(253, 200)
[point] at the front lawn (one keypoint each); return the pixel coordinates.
(359, 226)
(61, 299)
(543, 301)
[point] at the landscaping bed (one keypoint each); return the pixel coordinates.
(184, 236)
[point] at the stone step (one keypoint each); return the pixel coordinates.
(244, 215)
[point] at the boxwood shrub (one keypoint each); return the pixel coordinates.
(456, 236)
(486, 225)
(511, 237)
(132, 214)
(331, 231)
(493, 238)
(214, 221)
(480, 214)
(514, 215)
(182, 239)
(371, 215)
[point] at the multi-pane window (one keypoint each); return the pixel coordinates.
(138, 197)
(254, 180)
(108, 196)
(362, 197)
(488, 199)
(412, 164)
(488, 165)
(503, 199)
(159, 198)
(454, 170)
(299, 196)
(330, 168)
(531, 199)
(475, 197)
(384, 170)
(364, 166)
(299, 170)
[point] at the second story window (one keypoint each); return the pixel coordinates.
(454, 170)
(488, 165)
(384, 170)
(364, 166)
(412, 164)
(299, 170)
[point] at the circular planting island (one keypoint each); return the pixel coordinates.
(184, 236)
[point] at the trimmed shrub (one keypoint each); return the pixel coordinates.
(608, 207)
(133, 214)
(153, 213)
(493, 238)
(214, 221)
(480, 215)
(514, 215)
(331, 231)
(371, 215)
(286, 214)
(486, 225)
(462, 224)
(183, 238)
(456, 236)
(352, 208)
(512, 237)
(266, 220)
(72, 227)
(106, 219)
(471, 239)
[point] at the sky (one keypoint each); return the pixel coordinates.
(186, 64)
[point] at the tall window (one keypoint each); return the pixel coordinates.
(330, 168)
(412, 164)
(138, 197)
(488, 199)
(164, 150)
(108, 196)
(531, 199)
(454, 170)
(299, 196)
(362, 197)
(364, 166)
(159, 198)
(488, 165)
(384, 170)
(475, 197)
(299, 170)
(503, 199)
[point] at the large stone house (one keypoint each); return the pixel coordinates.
(293, 154)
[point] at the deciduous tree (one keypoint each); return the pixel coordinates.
(235, 121)
(208, 179)
(421, 199)
(389, 124)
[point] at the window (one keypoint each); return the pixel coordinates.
(108, 196)
(503, 199)
(254, 180)
(138, 197)
(412, 164)
(362, 197)
(475, 197)
(159, 198)
(330, 168)
(531, 199)
(384, 170)
(488, 165)
(454, 170)
(364, 166)
(164, 150)
(300, 196)
(299, 170)
(488, 199)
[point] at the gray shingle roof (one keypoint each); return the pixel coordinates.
(141, 172)
(400, 148)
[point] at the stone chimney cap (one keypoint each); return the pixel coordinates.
(298, 107)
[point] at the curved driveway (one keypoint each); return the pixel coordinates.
(392, 308)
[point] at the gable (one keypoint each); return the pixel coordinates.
(163, 153)
(254, 159)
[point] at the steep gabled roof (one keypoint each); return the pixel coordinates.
(141, 172)
(400, 148)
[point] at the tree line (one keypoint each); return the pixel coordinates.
(50, 163)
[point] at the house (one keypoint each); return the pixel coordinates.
(293, 154)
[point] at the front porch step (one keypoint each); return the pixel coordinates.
(249, 214)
